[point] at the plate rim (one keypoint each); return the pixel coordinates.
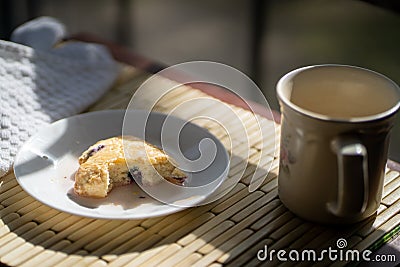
(118, 112)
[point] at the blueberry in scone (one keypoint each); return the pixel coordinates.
(104, 166)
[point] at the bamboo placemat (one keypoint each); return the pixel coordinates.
(228, 232)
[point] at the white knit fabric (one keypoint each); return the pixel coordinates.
(39, 86)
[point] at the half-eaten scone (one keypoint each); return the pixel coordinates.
(104, 166)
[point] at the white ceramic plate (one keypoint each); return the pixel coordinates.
(46, 164)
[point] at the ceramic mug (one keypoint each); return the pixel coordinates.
(336, 123)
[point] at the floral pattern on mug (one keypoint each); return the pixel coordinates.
(286, 157)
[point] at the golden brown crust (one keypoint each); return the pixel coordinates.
(92, 180)
(104, 165)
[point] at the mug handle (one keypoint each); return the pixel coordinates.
(352, 195)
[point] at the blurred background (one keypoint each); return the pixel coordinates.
(263, 39)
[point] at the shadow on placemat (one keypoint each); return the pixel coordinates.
(232, 231)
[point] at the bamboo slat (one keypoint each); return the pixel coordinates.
(229, 231)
